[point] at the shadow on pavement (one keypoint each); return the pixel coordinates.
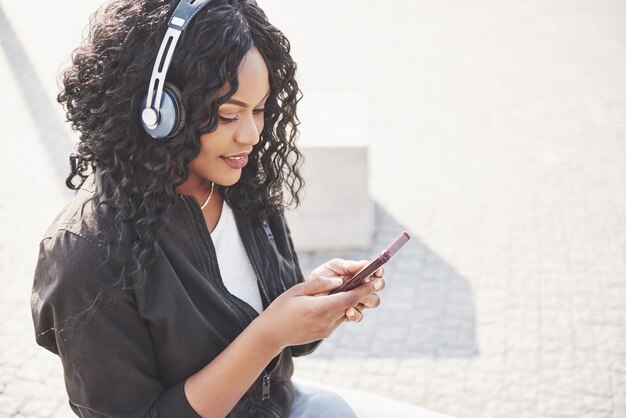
(44, 117)
(427, 308)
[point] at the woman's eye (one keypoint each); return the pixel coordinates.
(227, 120)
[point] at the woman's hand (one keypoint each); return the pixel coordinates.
(307, 313)
(346, 269)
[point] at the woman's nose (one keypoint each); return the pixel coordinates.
(250, 130)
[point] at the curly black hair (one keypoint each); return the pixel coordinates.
(102, 92)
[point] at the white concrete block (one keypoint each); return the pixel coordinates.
(368, 405)
(337, 212)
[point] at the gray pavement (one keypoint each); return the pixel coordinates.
(498, 140)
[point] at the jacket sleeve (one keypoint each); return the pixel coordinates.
(303, 349)
(106, 351)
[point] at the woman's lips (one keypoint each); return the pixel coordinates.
(236, 162)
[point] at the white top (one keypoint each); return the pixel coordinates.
(235, 267)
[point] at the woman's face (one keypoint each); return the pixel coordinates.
(239, 128)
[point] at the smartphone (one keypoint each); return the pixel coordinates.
(367, 271)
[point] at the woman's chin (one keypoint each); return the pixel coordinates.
(229, 181)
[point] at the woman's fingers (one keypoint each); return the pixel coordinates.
(319, 285)
(351, 298)
(353, 315)
(345, 267)
(370, 301)
(382, 286)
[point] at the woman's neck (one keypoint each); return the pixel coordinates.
(200, 190)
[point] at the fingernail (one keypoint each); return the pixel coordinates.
(378, 284)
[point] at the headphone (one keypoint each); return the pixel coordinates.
(162, 114)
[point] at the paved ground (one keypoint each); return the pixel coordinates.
(498, 140)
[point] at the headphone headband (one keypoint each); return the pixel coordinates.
(184, 12)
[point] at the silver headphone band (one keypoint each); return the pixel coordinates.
(161, 66)
(184, 12)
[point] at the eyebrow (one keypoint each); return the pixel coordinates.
(242, 104)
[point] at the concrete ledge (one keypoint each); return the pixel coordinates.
(366, 405)
(336, 212)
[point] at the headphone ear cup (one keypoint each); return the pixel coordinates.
(171, 114)
(181, 114)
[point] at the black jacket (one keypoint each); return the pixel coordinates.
(127, 353)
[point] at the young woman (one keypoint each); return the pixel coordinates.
(169, 286)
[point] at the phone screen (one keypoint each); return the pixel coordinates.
(367, 271)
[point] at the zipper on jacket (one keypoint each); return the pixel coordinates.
(267, 230)
(265, 392)
(206, 253)
(266, 376)
(270, 237)
(266, 387)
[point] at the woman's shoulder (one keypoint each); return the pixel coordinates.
(73, 274)
(74, 258)
(79, 228)
(66, 257)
